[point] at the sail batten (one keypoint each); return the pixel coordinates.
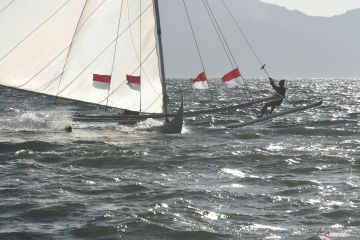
(115, 38)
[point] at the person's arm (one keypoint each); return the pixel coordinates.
(273, 84)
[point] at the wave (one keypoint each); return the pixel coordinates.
(39, 146)
(36, 120)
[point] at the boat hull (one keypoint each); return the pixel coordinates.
(275, 115)
(175, 125)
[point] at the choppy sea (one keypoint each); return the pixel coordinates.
(290, 178)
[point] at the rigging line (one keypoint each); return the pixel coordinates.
(33, 31)
(219, 31)
(119, 35)
(292, 103)
(121, 84)
(46, 85)
(287, 100)
(218, 34)
(156, 100)
(6, 6)
(194, 36)
(47, 65)
(247, 87)
(196, 42)
(221, 37)
(53, 60)
(70, 47)
(88, 17)
(102, 52)
(59, 75)
(227, 45)
(131, 34)
(78, 30)
(137, 56)
(246, 39)
(116, 43)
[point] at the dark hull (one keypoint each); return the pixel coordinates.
(175, 125)
(134, 118)
(275, 115)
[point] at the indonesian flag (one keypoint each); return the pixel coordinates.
(230, 79)
(201, 81)
(102, 81)
(134, 82)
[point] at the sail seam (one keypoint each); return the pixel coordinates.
(49, 83)
(137, 56)
(100, 54)
(121, 84)
(90, 15)
(116, 42)
(148, 79)
(70, 46)
(7, 5)
(157, 99)
(48, 64)
(33, 31)
(133, 42)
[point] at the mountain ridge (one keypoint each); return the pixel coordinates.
(292, 43)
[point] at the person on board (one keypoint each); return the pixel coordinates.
(280, 92)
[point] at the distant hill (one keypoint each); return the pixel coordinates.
(291, 43)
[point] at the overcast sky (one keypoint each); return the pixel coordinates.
(318, 7)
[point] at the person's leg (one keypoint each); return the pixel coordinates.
(265, 107)
(274, 105)
(272, 109)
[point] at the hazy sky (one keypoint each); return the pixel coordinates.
(318, 7)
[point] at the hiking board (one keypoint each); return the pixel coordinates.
(275, 115)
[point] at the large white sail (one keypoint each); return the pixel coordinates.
(56, 47)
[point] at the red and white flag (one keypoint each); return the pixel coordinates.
(230, 79)
(134, 82)
(102, 81)
(201, 81)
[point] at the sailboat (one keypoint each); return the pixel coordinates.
(103, 52)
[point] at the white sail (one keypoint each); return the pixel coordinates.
(65, 43)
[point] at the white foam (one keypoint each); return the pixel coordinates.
(234, 172)
(264, 227)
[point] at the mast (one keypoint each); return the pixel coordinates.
(161, 56)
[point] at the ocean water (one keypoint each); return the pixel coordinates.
(289, 178)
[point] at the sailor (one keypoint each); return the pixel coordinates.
(280, 93)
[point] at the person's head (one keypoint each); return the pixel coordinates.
(282, 83)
